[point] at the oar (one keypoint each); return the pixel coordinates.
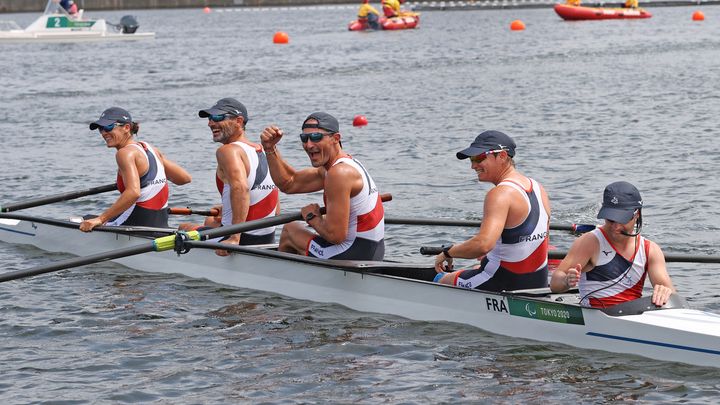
(212, 212)
(556, 254)
(159, 245)
(59, 197)
(578, 228)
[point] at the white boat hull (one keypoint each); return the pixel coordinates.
(24, 37)
(57, 26)
(681, 335)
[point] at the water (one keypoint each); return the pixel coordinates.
(587, 103)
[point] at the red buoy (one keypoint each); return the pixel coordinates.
(281, 38)
(698, 16)
(517, 25)
(360, 121)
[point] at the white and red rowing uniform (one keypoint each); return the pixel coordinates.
(614, 279)
(150, 209)
(365, 238)
(264, 196)
(519, 258)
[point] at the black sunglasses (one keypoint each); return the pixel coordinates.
(313, 136)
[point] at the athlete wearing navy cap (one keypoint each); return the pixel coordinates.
(143, 172)
(610, 264)
(513, 239)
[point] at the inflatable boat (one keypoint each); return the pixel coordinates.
(403, 22)
(574, 13)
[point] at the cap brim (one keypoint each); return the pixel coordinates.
(619, 215)
(469, 152)
(211, 111)
(102, 122)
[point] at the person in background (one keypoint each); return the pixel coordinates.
(391, 8)
(353, 228)
(368, 15)
(69, 6)
(246, 188)
(513, 237)
(575, 3)
(142, 176)
(631, 4)
(610, 264)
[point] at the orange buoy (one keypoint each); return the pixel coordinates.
(281, 38)
(206, 10)
(360, 121)
(517, 25)
(698, 16)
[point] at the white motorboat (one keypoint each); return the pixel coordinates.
(672, 333)
(56, 25)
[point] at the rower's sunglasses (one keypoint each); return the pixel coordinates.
(479, 158)
(108, 128)
(314, 136)
(220, 117)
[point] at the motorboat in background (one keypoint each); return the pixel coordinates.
(57, 25)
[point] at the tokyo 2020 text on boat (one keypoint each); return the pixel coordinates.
(673, 333)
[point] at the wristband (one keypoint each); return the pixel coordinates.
(309, 217)
(438, 277)
(446, 251)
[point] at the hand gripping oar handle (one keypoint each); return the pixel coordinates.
(59, 197)
(212, 212)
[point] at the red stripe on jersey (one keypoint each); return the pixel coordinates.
(530, 263)
(120, 184)
(368, 221)
(219, 183)
(264, 207)
(630, 294)
(158, 201)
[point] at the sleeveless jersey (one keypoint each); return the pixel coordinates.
(263, 193)
(614, 279)
(366, 224)
(154, 190)
(518, 253)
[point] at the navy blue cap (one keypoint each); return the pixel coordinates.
(488, 141)
(325, 121)
(111, 116)
(226, 105)
(620, 201)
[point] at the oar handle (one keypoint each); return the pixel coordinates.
(435, 250)
(212, 212)
(393, 220)
(560, 254)
(59, 197)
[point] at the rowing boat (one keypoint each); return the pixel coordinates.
(673, 333)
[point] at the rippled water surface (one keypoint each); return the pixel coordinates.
(588, 103)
